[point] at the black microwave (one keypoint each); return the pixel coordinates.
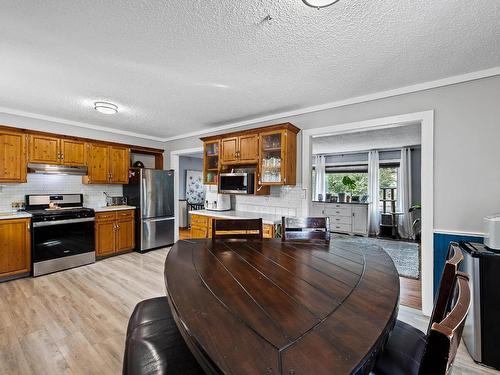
(237, 183)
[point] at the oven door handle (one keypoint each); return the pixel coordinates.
(61, 222)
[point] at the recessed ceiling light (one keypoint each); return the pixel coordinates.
(319, 3)
(106, 108)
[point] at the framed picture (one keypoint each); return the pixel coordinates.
(195, 190)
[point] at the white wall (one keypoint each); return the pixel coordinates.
(466, 149)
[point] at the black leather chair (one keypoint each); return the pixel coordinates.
(154, 345)
(408, 347)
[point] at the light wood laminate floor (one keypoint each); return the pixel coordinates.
(74, 322)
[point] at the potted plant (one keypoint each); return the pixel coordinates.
(350, 185)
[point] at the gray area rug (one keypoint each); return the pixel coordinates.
(406, 255)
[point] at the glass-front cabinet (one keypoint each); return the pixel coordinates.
(277, 157)
(211, 162)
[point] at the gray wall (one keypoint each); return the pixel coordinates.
(416, 165)
(187, 163)
(466, 136)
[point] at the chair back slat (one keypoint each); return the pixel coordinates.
(444, 298)
(444, 336)
(308, 228)
(237, 228)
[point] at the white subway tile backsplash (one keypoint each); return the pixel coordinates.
(93, 195)
(283, 201)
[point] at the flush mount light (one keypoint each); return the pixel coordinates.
(319, 3)
(106, 108)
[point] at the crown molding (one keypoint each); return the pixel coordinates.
(36, 116)
(356, 100)
(322, 107)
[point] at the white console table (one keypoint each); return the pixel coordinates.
(350, 218)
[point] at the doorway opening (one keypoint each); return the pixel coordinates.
(381, 172)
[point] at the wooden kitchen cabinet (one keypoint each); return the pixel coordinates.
(107, 164)
(229, 148)
(211, 162)
(73, 152)
(15, 247)
(242, 149)
(119, 164)
(12, 156)
(44, 149)
(248, 148)
(271, 151)
(278, 157)
(115, 232)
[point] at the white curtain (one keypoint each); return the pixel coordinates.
(319, 162)
(374, 191)
(404, 194)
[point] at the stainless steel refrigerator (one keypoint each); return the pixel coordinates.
(152, 192)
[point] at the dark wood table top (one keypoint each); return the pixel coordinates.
(272, 307)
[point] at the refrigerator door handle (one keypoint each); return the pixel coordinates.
(143, 195)
(158, 219)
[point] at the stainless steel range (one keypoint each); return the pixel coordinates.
(63, 232)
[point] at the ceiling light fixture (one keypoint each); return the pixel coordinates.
(106, 108)
(319, 3)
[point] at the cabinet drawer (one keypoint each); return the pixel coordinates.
(341, 210)
(199, 220)
(340, 227)
(340, 220)
(104, 216)
(125, 214)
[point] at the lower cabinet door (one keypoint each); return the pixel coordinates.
(268, 231)
(125, 235)
(198, 231)
(360, 219)
(15, 247)
(105, 237)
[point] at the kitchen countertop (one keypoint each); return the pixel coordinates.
(266, 218)
(17, 215)
(113, 208)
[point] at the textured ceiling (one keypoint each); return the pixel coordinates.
(179, 66)
(409, 135)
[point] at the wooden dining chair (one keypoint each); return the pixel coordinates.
(405, 349)
(237, 229)
(308, 228)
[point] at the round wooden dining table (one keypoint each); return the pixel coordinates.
(273, 307)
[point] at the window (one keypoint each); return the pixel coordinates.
(358, 173)
(388, 182)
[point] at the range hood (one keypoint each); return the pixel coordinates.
(56, 169)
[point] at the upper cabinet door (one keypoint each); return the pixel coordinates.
(229, 150)
(210, 162)
(12, 157)
(119, 164)
(98, 160)
(249, 148)
(73, 152)
(44, 149)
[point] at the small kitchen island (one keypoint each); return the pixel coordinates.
(201, 221)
